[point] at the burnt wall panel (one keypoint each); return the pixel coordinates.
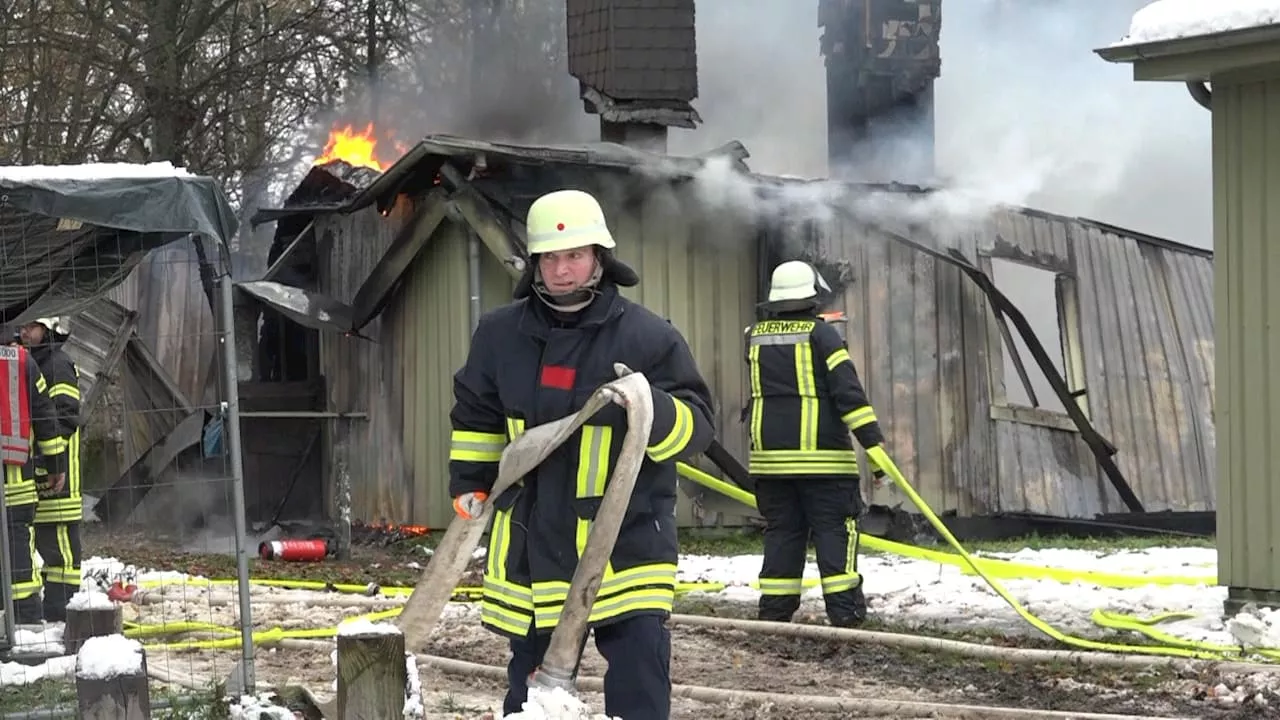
(1144, 339)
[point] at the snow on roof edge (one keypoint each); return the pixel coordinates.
(1164, 20)
(92, 171)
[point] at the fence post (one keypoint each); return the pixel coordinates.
(231, 436)
(90, 614)
(111, 679)
(372, 673)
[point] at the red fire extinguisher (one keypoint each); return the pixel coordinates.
(294, 550)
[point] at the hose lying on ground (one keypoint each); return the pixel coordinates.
(1190, 649)
(854, 706)
(279, 636)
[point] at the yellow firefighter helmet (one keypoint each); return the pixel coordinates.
(795, 280)
(566, 219)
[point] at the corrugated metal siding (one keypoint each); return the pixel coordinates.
(697, 269)
(1246, 172)
(397, 458)
(916, 331)
(427, 331)
(353, 368)
(929, 352)
(1147, 331)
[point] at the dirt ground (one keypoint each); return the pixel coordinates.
(703, 657)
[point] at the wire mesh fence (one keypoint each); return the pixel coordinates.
(125, 531)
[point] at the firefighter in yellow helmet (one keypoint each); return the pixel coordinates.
(60, 510)
(28, 424)
(806, 399)
(537, 360)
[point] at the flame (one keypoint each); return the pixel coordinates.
(354, 148)
(393, 528)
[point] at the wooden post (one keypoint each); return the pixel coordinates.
(90, 615)
(372, 676)
(111, 679)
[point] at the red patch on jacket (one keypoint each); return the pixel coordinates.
(558, 376)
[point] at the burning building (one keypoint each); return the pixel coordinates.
(987, 415)
(1100, 404)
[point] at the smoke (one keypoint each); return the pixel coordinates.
(1025, 114)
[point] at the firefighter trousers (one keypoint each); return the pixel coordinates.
(22, 551)
(796, 509)
(637, 684)
(59, 547)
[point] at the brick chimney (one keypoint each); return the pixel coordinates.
(636, 63)
(882, 58)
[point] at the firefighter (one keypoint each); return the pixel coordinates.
(26, 414)
(537, 360)
(806, 399)
(60, 510)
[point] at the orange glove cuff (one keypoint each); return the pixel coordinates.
(458, 508)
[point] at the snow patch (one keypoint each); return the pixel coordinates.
(363, 626)
(1174, 19)
(13, 674)
(555, 704)
(47, 641)
(91, 171)
(87, 599)
(413, 707)
(258, 707)
(108, 656)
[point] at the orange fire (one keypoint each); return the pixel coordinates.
(359, 149)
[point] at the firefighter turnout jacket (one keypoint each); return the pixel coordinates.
(805, 400)
(530, 366)
(63, 377)
(27, 417)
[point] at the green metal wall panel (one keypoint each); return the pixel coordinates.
(1246, 172)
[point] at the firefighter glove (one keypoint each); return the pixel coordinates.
(470, 506)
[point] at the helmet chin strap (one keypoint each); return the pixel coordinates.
(572, 301)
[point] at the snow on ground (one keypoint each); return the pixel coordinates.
(1172, 19)
(899, 590)
(921, 593)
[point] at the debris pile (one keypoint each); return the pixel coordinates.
(384, 534)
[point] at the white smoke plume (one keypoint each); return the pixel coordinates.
(1026, 114)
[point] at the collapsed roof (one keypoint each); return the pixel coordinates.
(70, 233)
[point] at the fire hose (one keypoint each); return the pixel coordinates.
(422, 611)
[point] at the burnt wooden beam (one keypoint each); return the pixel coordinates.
(288, 252)
(144, 354)
(492, 230)
(375, 291)
(1018, 365)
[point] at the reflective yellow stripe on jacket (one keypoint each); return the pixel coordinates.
(504, 605)
(17, 489)
(68, 509)
(644, 587)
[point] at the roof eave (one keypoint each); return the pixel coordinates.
(1197, 57)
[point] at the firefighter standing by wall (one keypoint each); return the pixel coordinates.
(805, 400)
(60, 510)
(27, 415)
(535, 361)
